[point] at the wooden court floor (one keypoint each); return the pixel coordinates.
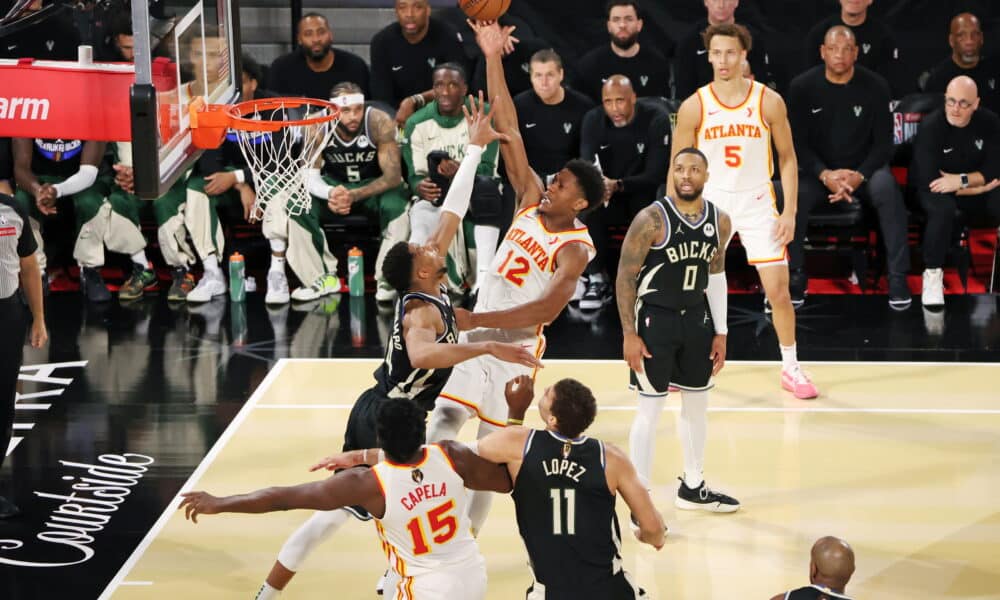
(899, 459)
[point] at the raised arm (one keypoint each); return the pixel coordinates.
(685, 134)
(623, 479)
(354, 486)
(527, 186)
(383, 130)
(477, 472)
(646, 229)
(571, 260)
(776, 116)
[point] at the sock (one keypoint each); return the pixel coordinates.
(267, 592)
(789, 357)
(277, 264)
(480, 502)
(140, 259)
(278, 245)
(642, 437)
(300, 544)
(692, 430)
(211, 265)
(487, 237)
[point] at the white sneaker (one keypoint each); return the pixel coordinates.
(384, 292)
(277, 288)
(324, 285)
(209, 287)
(581, 289)
(933, 289)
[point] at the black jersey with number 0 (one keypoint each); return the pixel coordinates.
(566, 513)
(396, 377)
(354, 161)
(675, 273)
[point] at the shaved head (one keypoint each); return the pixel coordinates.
(964, 19)
(618, 99)
(962, 87)
(839, 31)
(832, 563)
(618, 81)
(961, 99)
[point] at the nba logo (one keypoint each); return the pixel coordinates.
(897, 128)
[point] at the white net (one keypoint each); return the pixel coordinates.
(280, 159)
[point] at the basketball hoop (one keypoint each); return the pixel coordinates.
(280, 139)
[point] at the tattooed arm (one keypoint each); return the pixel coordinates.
(646, 229)
(383, 130)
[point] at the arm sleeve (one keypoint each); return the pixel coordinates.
(79, 181)
(26, 244)
(881, 143)
(381, 76)
(315, 184)
(460, 190)
(654, 170)
(809, 161)
(590, 134)
(717, 293)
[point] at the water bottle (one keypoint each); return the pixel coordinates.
(356, 272)
(358, 323)
(238, 324)
(237, 280)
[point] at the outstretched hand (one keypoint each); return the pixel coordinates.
(519, 392)
(198, 503)
(481, 132)
(493, 39)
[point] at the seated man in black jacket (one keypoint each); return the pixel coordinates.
(630, 142)
(843, 138)
(956, 163)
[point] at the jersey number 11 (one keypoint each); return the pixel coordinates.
(559, 525)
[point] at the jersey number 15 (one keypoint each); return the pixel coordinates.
(443, 525)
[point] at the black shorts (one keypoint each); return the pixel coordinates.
(680, 342)
(360, 433)
(617, 587)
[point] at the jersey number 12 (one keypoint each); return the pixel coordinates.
(518, 269)
(562, 525)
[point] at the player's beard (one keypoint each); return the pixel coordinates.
(691, 196)
(317, 54)
(626, 43)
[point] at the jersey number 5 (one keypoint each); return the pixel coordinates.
(443, 525)
(733, 156)
(353, 173)
(517, 271)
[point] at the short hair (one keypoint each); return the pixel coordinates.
(451, 66)
(547, 55)
(400, 428)
(397, 267)
(614, 3)
(252, 69)
(345, 87)
(695, 151)
(590, 180)
(311, 15)
(728, 30)
(573, 406)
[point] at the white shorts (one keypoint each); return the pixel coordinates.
(754, 214)
(467, 582)
(478, 383)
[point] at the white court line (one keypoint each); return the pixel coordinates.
(573, 361)
(725, 409)
(198, 472)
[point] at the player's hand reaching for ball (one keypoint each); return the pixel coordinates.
(514, 353)
(519, 393)
(493, 40)
(340, 460)
(634, 350)
(199, 503)
(481, 132)
(784, 229)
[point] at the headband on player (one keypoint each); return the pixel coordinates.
(348, 100)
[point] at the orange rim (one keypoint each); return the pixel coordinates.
(239, 120)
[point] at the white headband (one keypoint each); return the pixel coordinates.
(348, 100)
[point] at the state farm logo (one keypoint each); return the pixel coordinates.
(25, 109)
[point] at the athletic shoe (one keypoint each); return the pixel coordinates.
(932, 293)
(92, 285)
(209, 287)
(277, 288)
(8, 510)
(797, 286)
(380, 585)
(899, 293)
(597, 295)
(324, 285)
(181, 286)
(143, 280)
(385, 293)
(581, 289)
(704, 498)
(797, 382)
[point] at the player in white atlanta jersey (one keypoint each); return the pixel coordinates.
(733, 121)
(417, 496)
(532, 277)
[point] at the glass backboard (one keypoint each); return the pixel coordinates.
(191, 53)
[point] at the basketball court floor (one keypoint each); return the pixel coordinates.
(896, 456)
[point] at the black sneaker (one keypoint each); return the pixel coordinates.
(704, 498)
(92, 285)
(597, 295)
(8, 510)
(899, 293)
(797, 286)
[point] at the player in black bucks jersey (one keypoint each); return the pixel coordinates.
(565, 486)
(420, 351)
(672, 260)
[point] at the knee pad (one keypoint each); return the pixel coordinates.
(486, 204)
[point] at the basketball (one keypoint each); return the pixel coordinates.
(484, 10)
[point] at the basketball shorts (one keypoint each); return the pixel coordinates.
(680, 342)
(754, 214)
(478, 384)
(618, 587)
(360, 433)
(467, 582)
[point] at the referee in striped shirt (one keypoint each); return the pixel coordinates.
(17, 262)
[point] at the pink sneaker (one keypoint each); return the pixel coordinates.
(797, 382)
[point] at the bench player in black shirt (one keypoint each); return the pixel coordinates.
(420, 351)
(830, 568)
(673, 260)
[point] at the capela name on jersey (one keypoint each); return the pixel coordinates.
(424, 492)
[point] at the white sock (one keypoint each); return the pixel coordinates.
(211, 265)
(789, 357)
(480, 502)
(277, 264)
(300, 544)
(692, 429)
(267, 592)
(642, 437)
(140, 259)
(277, 245)
(486, 237)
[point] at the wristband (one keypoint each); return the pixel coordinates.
(515, 421)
